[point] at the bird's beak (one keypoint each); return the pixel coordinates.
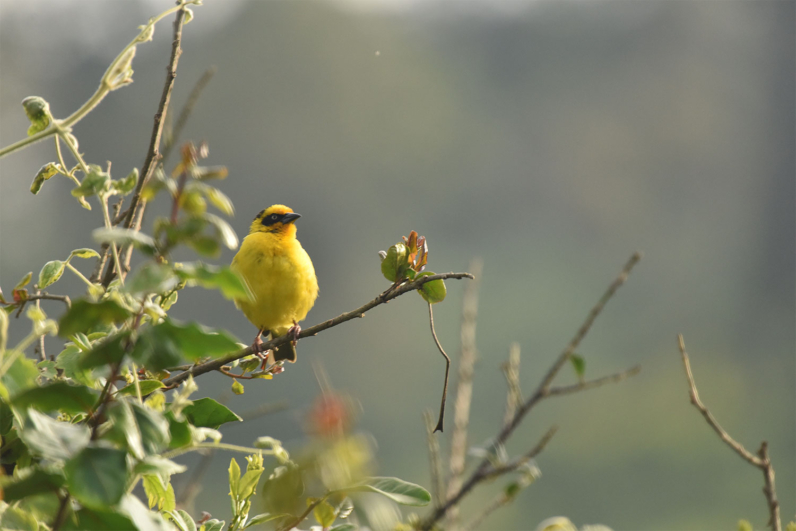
(290, 218)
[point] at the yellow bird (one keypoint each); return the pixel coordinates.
(279, 274)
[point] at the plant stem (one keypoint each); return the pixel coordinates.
(79, 274)
(217, 446)
(117, 264)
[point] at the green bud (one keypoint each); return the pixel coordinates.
(38, 112)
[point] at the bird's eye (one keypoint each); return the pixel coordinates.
(274, 217)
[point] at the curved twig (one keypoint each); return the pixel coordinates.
(213, 365)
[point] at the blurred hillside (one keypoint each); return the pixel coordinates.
(553, 143)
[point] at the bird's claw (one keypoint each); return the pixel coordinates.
(258, 350)
(294, 332)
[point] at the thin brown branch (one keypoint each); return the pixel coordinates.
(60, 517)
(213, 365)
(135, 211)
(761, 460)
(46, 296)
(441, 420)
(542, 392)
(300, 518)
(518, 462)
(434, 463)
(464, 386)
(591, 384)
(511, 370)
(186, 111)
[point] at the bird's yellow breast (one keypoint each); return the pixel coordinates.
(281, 278)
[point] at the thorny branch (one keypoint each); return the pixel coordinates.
(213, 365)
(485, 469)
(761, 460)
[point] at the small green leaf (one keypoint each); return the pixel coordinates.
(343, 527)
(154, 464)
(433, 291)
(265, 517)
(36, 481)
(225, 232)
(58, 396)
(52, 439)
(159, 492)
(179, 431)
(24, 282)
(93, 183)
(44, 174)
(745, 525)
(50, 273)
(218, 525)
(104, 353)
(234, 478)
(38, 112)
(152, 278)
(237, 387)
(207, 413)
(146, 386)
(85, 315)
(206, 174)
(123, 237)
(181, 520)
(579, 364)
(222, 278)
(395, 264)
(219, 200)
(14, 519)
(126, 185)
(83, 253)
(99, 520)
(20, 375)
(195, 341)
(324, 514)
(97, 476)
(398, 490)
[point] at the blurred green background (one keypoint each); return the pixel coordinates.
(552, 139)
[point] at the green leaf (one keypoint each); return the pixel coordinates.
(579, 364)
(237, 387)
(219, 200)
(20, 376)
(324, 514)
(47, 369)
(343, 527)
(234, 478)
(58, 396)
(93, 183)
(208, 173)
(52, 439)
(395, 264)
(433, 291)
(146, 386)
(144, 430)
(83, 253)
(217, 525)
(38, 112)
(265, 517)
(69, 362)
(152, 278)
(159, 493)
(107, 352)
(207, 413)
(50, 273)
(97, 476)
(6, 417)
(225, 232)
(181, 520)
(179, 430)
(84, 315)
(14, 519)
(126, 185)
(154, 464)
(44, 174)
(123, 237)
(196, 341)
(24, 282)
(398, 490)
(231, 285)
(99, 520)
(141, 516)
(35, 481)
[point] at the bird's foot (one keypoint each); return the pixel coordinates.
(258, 350)
(294, 332)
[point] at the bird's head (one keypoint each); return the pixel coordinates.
(276, 219)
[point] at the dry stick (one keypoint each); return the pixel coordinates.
(434, 463)
(761, 460)
(542, 392)
(46, 296)
(213, 365)
(186, 111)
(511, 370)
(135, 212)
(447, 371)
(464, 386)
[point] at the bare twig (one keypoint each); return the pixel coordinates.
(542, 392)
(135, 211)
(518, 462)
(447, 371)
(761, 460)
(186, 111)
(591, 384)
(313, 330)
(434, 464)
(464, 386)
(46, 296)
(511, 369)
(300, 518)
(60, 517)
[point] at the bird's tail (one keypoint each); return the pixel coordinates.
(284, 352)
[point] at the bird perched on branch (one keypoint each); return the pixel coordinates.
(280, 276)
